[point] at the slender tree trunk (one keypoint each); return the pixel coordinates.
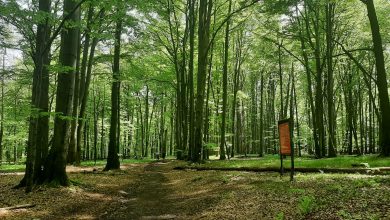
(298, 138)
(308, 71)
(85, 80)
(95, 126)
(281, 116)
(113, 159)
(206, 133)
(102, 139)
(146, 132)
(80, 88)
(172, 131)
(224, 86)
(2, 110)
(205, 8)
(191, 110)
(330, 82)
(261, 149)
(319, 104)
(384, 102)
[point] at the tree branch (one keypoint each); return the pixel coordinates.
(57, 31)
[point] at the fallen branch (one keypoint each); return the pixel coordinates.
(25, 206)
(376, 171)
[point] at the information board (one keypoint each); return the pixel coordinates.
(285, 137)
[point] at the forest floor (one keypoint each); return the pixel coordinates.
(154, 190)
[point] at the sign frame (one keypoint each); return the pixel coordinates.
(286, 122)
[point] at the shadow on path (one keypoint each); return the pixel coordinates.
(157, 195)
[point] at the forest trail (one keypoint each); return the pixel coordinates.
(147, 196)
(161, 193)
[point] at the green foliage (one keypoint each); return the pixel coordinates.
(91, 163)
(280, 216)
(366, 183)
(297, 191)
(274, 161)
(306, 204)
(344, 214)
(211, 146)
(12, 168)
(76, 182)
(196, 179)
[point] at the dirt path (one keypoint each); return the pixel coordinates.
(148, 196)
(161, 193)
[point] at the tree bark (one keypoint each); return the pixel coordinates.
(113, 158)
(80, 88)
(330, 81)
(55, 168)
(384, 103)
(38, 127)
(2, 110)
(205, 8)
(191, 100)
(224, 87)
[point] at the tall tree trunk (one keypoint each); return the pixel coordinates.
(330, 82)
(146, 123)
(308, 71)
(112, 158)
(172, 131)
(261, 149)
(2, 109)
(191, 100)
(384, 102)
(38, 127)
(57, 159)
(281, 116)
(84, 90)
(80, 88)
(224, 86)
(95, 126)
(102, 137)
(319, 104)
(205, 8)
(298, 138)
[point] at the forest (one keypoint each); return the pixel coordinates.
(131, 87)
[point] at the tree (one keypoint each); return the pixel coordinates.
(39, 124)
(55, 167)
(79, 93)
(205, 11)
(113, 158)
(384, 102)
(225, 85)
(330, 7)
(2, 107)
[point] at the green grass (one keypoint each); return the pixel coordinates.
(306, 205)
(91, 163)
(12, 167)
(274, 161)
(7, 168)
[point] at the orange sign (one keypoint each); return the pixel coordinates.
(284, 138)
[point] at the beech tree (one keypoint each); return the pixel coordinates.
(112, 158)
(55, 167)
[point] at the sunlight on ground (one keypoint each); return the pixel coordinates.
(174, 182)
(85, 217)
(98, 196)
